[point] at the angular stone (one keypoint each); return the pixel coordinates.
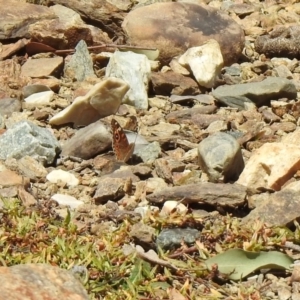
(215, 194)
(205, 62)
(193, 25)
(220, 157)
(28, 167)
(25, 138)
(30, 89)
(42, 67)
(40, 281)
(102, 100)
(9, 105)
(101, 11)
(63, 176)
(66, 30)
(172, 238)
(173, 83)
(259, 93)
(88, 141)
(67, 200)
(111, 189)
(16, 16)
(11, 79)
(81, 65)
(271, 171)
(135, 70)
(280, 209)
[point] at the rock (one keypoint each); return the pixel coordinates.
(143, 235)
(170, 207)
(9, 178)
(173, 83)
(98, 11)
(177, 117)
(25, 138)
(81, 65)
(67, 200)
(149, 153)
(16, 17)
(204, 120)
(281, 209)
(223, 195)
(40, 281)
(220, 157)
(205, 62)
(88, 142)
(26, 198)
(31, 89)
(135, 70)
(43, 67)
(51, 82)
(111, 189)
(170, 239)
(259, 93)
(41, 98)
(66, 30)
(63, 176)
(271, 171)
(11, 79)
(28, 167)
(9, 105)
(102, 100)
(193, 25)
(281, 42)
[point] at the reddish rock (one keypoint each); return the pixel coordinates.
(173, 83)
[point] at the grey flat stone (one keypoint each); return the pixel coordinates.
(259, 93)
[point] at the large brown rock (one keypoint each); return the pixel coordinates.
(174, 27)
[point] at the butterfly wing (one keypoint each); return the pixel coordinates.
(123, 150)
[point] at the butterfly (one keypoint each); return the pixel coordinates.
(123, 150)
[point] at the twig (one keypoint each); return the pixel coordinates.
(66, 51)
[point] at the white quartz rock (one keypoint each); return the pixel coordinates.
(63, 176)
(67, 200)
(135, 69)
(205, 62)
(40, 98)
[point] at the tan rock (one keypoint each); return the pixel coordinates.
(102, 11)
(27, 278)
(179, 26)
(15, 18)
(11, 79)
(42, 67)
(271, 166)
(102, 100)
(66, 30)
